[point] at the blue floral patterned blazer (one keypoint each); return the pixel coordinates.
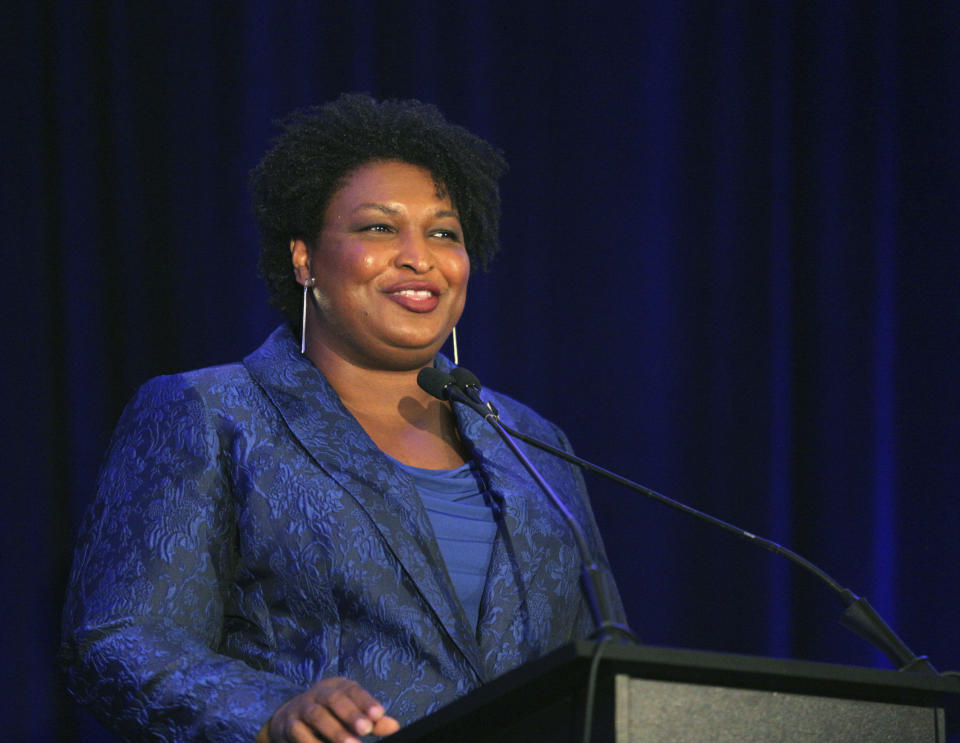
(248, 538)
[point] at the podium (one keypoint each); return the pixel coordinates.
(660, 695)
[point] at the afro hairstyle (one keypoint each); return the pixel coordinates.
(317, 149)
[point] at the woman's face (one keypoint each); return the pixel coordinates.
(390, 266)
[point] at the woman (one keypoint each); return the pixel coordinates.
(306, 546)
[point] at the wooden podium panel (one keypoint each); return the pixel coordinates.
(660, 695)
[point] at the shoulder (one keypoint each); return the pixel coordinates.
(187, 412)
(227, 385)
(215, 400)
(210, 387)
(208, 380)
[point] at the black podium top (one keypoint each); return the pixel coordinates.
(550, 686)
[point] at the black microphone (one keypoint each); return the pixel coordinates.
(435, 382)
(467, 381)
(465, 378)
(443, 386)
(858, 616)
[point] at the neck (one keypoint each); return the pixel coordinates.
(367, 388)
(388, 403)
(404, 421)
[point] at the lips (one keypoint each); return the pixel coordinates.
(416, 296)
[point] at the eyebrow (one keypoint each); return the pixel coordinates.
(396, 212)
(379, 207)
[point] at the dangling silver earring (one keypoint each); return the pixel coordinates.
(456, 355)
(307, 285)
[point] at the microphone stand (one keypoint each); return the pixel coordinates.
(858, 615)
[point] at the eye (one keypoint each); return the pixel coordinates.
(446, 235)
(376, 228)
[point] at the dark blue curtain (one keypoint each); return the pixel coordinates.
(731, 270)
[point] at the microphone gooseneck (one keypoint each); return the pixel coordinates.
(444, 386)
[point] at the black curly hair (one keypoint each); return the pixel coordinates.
(320, 146)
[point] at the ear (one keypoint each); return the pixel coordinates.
(300, 258)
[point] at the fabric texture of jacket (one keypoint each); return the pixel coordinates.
(248, 538)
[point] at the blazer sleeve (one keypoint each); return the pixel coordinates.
(144, 611)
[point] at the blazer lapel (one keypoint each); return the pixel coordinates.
(515, 559)
(339, 445)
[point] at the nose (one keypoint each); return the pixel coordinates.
(414, 252)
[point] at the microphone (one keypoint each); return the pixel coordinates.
(443, 386)
(465, 378)
(467, 381)
(436, 383)
(858, 616)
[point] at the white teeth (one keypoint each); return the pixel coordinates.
(418, 293)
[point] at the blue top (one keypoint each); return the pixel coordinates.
(459, 509)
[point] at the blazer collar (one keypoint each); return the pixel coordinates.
(339, 445)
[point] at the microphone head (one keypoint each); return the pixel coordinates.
(465, 377)
(434, 382)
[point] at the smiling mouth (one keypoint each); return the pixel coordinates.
(415, 299)
(416, 293)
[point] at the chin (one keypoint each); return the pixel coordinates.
(408, 358)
